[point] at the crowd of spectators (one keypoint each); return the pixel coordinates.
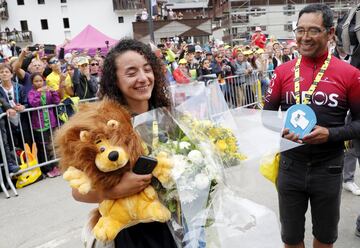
(44, 77)
(36, 78)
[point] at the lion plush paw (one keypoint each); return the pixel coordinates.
(163, 169)
(106, 229)
(78, 180)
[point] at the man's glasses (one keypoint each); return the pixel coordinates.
(94, 64)
(84, 65)
(219, 57)
(312, 32)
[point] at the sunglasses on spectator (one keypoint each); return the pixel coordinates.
(219, 57)
(10, 96)
(93, 64)
(55, 61)
(84, 65)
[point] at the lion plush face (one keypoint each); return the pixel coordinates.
(100, 141)
(109, 157)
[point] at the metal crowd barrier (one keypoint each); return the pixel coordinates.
(24, 133)
(242, 90)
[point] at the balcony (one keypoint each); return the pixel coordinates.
(170, 28)
(128, 4)
(18, 36)
(4, 13)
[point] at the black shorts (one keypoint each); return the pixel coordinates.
(301, 182)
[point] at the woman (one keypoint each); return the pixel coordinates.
(132, 75)
(13, 101)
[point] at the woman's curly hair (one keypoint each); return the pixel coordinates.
(108, 84)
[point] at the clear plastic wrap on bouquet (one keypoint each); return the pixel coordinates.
(191, 172)
(234, 216)
(206, 115)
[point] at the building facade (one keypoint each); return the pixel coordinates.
(51, 21)
(235, 20)
(189, 19)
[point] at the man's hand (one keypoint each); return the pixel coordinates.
(318, 135)
(286, 134)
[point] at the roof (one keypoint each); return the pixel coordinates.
(90, 38)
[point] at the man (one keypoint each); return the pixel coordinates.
(258, 39)
(286, 55)
(36, 65)
(313, 172)
(85, 85)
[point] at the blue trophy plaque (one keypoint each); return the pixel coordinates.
(300, 119)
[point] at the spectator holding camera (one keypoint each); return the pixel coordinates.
(59, 81)
(36, 65)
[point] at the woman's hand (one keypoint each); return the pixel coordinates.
(130, 184)
(19, 107)
(11, 112)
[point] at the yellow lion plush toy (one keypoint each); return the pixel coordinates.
(96, 146)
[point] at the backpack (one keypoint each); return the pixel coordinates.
(348, 33)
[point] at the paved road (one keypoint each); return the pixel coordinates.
(45, 216)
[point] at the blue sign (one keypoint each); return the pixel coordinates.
(300, 119)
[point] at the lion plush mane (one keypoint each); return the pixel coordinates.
(93, 118)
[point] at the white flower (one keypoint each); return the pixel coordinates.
(177, 171)
(201, 181)
(184, 145)
(195, 156)
(180, 165)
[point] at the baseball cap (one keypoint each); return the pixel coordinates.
(83, 61)
(182, 61)
(258, 29)
(198, 49)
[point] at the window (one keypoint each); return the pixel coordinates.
(288, 27)
(289, 10)
(66, 22)
(24, 25)
(62, 1)
(20, 2)
(41, 1)
(44, 24)
(121, 19)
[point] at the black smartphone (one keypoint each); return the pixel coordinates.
(49, 49)
(144, 165)
(33, 48)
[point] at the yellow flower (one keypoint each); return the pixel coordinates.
(221, 145)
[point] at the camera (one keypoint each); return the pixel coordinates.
(33, 48)
(49, 49)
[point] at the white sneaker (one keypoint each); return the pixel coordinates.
(352, 187)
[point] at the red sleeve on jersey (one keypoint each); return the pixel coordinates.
(273, 95)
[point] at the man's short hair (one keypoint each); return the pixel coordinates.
(327, 14)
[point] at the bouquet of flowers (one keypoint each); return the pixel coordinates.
(195, 171)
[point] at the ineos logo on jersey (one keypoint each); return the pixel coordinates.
(272, 81)
(318, 98)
